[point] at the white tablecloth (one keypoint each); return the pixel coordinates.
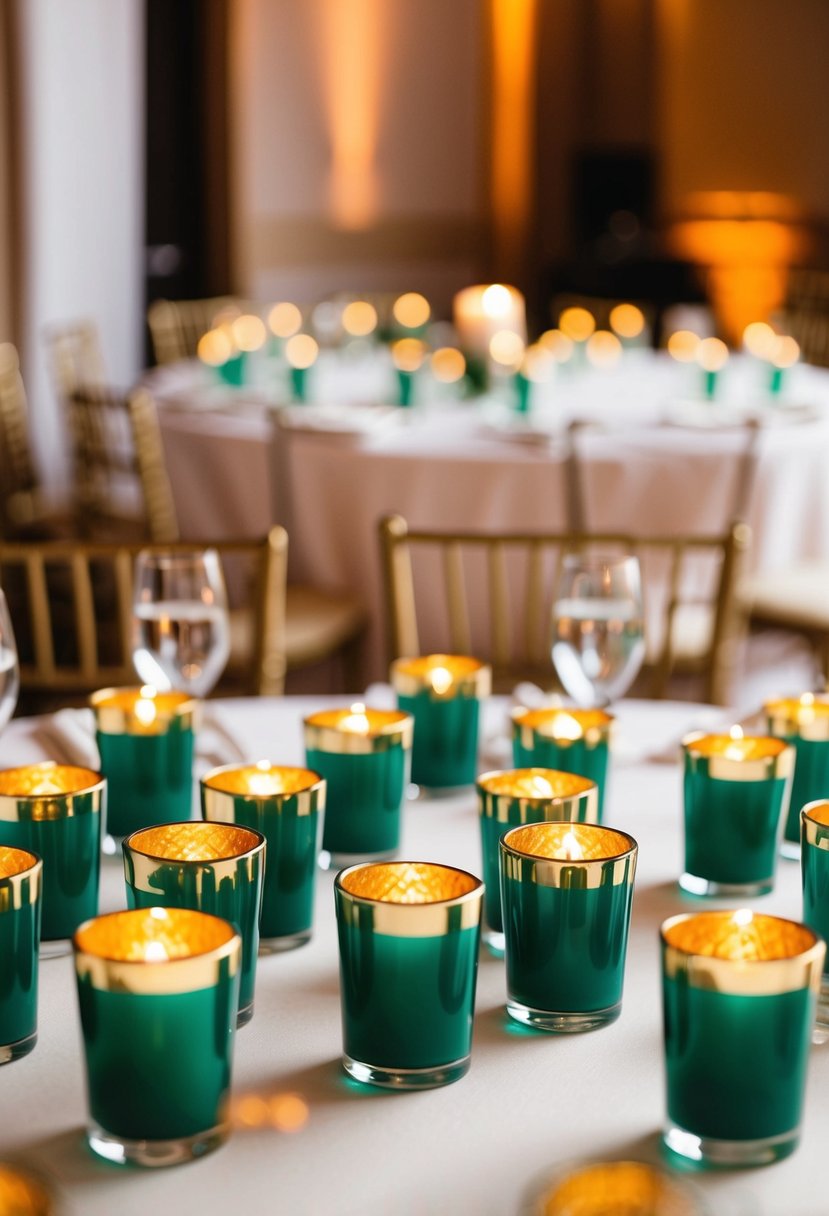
(529, 1104)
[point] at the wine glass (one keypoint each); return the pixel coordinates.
(598, 627)
(9, 666)
(181, 628)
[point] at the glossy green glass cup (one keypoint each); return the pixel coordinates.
(408, 936)
(146, 741)
(56, 812)
(739, 992)
(735, 795)
(443, 693)
(216, 868)
(511, 798)
(365, 756)
(286, 805)
(568, 740)
(814, 864)
(20, 884)
(158, 990)
(566, 893)
(802, 722)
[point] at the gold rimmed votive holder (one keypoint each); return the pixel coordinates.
(735, 794)
(739, 991)
(566, 894)
(365, 756)
(625, 1188)
(510, 798)
(286, 804)
(158, 990)
(216, 868)
(146, 740)
(56, 811)
(408, 938)
(814, 863)
(566, 739)
(20, 885)
(443, 693)
(802, 722)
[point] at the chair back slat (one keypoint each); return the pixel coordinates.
(177, 325)
(499, 604)
(155, 482)
(456, 604)
(84, 606)
(535, 638)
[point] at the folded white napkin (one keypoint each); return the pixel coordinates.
(68, 736)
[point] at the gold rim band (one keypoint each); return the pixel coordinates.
(21, 878)
(219, 805)
(393, 915)
(790, 717)
(235, 849)
(814, 820)
(115, 712)
(615, 863)
(777, 763)
(470, 677)
(321, 735)
(593, 727)
(573, 798)
(86, 797)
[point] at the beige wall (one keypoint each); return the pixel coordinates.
(7, 326)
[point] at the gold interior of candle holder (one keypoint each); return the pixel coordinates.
(458, 665)
(46, 780)
(743, 748)
(818, 812)
(196, 841)
(379, 720)
(408, 882)
(15, 861)
(559, 723)
(554, 841)
(797, 709)
(740, 935)
(152, 935)
(534, 783)
(618, 1188)
(124, 700)
(261, 780)
(22, 1195)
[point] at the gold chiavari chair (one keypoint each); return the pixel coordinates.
(106, 482)
(806, 314)
(509, 578)
(160, 507)
(75, 358)
(177, 325)
(20, 504)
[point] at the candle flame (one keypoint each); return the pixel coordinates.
(565, 726)
(356, 721)
(496, 300)
(145, 707)
(808, 698)
(441, 679)
(570, 849)
(743, 916)
(736, 732)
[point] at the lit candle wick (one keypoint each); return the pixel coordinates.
(565, 726)
(145, 707)
(737, 749)
(440, 679)
(356, 720)
(570, 849)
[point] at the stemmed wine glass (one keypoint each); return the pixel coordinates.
(9, 665)
(181, 627)
(598, 627)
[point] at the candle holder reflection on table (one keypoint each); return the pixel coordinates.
(814, 860)
(739, 994)
(802, 722)
(158, 990)
(146, 741)
(566, 892)
(408, 936)
(736, 794)
(516, 797)
(216, 868)
(443, 693)
(286, 805)
(20, 886)
(570, 740)
(616, 1188)
(365, 757)
(55, 811)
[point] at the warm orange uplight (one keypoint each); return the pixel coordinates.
(248, 332)
(577, 324)
(759, 339)
(408, 354)
(215, 347)
(603, 348)
(284, 320)
(627, 320)
(506, 348)
(682, 345)
(359, 318)
(411, 310)
(711, 354)
(448, 365)
(301, 351)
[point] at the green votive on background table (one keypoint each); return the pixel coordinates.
(515, 797)
(814, 862)
(566, 892)
(408, 938)
(443, 693)
(146, 743)
(569, 740)
(55, 811)
(286, 805)
(216, 868)
(158, 991)
(802, 722)
(735, 794)
(365, 757)
(20, 882)
(739, 992)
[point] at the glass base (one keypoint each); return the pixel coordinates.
(244, 1015)
(406, 1078)
(55, 947)
(111, 845)
(695, 885)
(562, 1023)
(278, 945)
(341, 861)
(729, 1154)
(790, 849)
(13, 1051)
(155, 1153)
(494, 941)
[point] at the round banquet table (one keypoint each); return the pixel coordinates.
(530, 1104)
(657, 461)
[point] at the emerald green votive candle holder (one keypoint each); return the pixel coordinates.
(365, 756)
(814, 864)
(443, 693)
(20, 884)
(566, 894)
(736, 794)
(286, 805)
(569, 740)
(803, 722)
(216, 868)
(408, 935)
(512, 798)
(158, 990)
(55, 811)
(146, 743)
(739, 991)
